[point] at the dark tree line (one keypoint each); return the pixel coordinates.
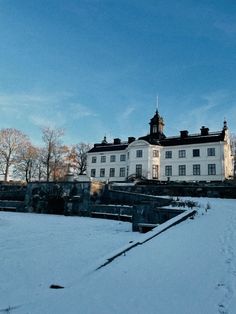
(21, 160)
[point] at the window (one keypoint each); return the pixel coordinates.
(102, 172)
(168, 154)
(155, 171)
(196, 170)
(139, 153)
(168, 171)
(154, 128)
(211, 169)
(211, 151)
(103, 158)
(128, 155)
(127, 171)
(93, 173)
(122, 157)
(112, 158)
(138, 170)
(112, 172)
(122, 172)
(94, 160)
(196, 152)
(182, 170)
(155, 153)
(182, 153)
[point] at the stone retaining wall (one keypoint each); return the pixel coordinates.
(204, 189)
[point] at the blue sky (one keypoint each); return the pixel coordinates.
(94, 67)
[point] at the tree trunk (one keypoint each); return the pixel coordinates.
(48, 168)
(6, 171)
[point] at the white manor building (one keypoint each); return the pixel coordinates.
(188, 157)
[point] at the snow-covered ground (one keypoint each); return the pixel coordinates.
(188, 269)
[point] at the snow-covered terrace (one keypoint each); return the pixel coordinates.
(188, 269)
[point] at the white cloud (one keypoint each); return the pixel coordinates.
(31, 100)
(26, 100)
(228, 28)
(128, 111)
(41, 121)
(78, 111)
(210, 110)
(34, 109)
(11, 104)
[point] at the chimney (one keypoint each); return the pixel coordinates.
(104, 141)
(183, 133)
(204, 131)
(116, 141)
(131, 139)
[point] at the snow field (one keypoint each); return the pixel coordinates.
(40, 250)
(188, 269)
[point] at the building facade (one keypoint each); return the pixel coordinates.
(188, 157)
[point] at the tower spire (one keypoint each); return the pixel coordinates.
(157, 104)
(225, 127)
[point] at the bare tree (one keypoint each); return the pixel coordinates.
(52, 140)
(58, 163)
(25, 167)
(11, 142)
(40, 169)
(78, 157)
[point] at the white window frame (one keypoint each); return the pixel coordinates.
(122, 172)
(93, 173)
(196, 169)
(139, 153)
(211, 151)
(182, 153)
(155, 153)
(102, 172)
(182, 170)
(211, 169)
(195, 150)
(103, 159)
(122, 157)
(113, 158)
(139, 170)
(168, 154)
(94, 159)
(168, 170)
(112, 172)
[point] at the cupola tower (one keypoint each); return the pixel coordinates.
(157, 126)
